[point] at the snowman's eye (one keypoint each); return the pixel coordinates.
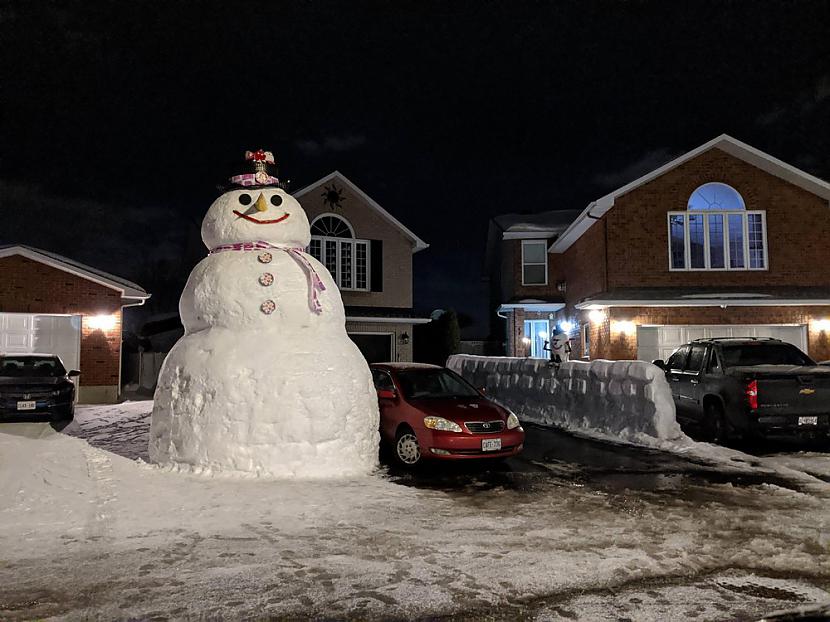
(245, 199)
(276, 200)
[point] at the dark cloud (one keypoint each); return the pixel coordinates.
(331, 144)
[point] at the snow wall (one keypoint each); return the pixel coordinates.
(620, 399)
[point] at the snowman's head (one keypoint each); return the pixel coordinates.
(265, 213)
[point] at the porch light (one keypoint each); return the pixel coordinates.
(102, 322)
(526, 341)
(404, 338)
(566, 326)
(821, 325)
(596, 316)
(624, 327)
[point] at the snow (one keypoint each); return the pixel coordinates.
(282, 394)
(626, 400)
(154, 543)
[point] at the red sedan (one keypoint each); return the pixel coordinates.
(430, 412)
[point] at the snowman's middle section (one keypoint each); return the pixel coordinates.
(266, 289)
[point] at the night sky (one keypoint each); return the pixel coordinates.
(119, 119)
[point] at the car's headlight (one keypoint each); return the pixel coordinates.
(439, 423)
(512, 421)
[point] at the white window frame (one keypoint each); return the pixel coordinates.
(687, 254)
(524, 263)
(354, 244)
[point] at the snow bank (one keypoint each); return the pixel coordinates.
(627, 400)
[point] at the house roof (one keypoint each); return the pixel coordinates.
(750, 296)
(540, 225)
(129, 290)
(726, 143)
(418, 243)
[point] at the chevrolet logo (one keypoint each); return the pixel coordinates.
(27, 396)
(807, 391)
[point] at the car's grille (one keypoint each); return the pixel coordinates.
(30, 394)
(484, 427)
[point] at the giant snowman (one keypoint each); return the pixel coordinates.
(265, 379)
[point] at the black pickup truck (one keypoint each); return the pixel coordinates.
(748, 387)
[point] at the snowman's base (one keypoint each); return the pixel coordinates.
(269, 404)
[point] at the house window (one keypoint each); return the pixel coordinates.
(534, 262)
(586, 341)
(347, 259)
(717, 232)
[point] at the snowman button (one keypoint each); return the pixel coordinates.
(266, 279)
(268, 307)
(265, 257)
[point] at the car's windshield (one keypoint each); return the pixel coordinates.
(763, 353)
(433, 383)
(31, 366)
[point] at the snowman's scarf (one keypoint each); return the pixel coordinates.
(315, 283)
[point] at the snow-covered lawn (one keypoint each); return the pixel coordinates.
(87, 533)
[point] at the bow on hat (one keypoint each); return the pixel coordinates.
(260, 156)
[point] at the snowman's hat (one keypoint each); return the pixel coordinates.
(258, 171)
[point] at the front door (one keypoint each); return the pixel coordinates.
(537, 333)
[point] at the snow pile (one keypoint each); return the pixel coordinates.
(628, 400)
(265, 379)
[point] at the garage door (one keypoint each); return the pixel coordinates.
(46, 334)
(658, 342)
(376, 347)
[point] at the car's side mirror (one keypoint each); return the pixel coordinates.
(386, 394)
(73, 373)
(660, 363)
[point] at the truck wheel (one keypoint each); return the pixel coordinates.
(714, 424)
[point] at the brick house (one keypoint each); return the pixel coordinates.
(725, 240)
(369, 254)
(51, 304)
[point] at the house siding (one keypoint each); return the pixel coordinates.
(798, 228)
(28, 286)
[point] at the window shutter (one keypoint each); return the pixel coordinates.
(377, 265)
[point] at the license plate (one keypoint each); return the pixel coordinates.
(29, 405)
(490, 444)
(808, 421)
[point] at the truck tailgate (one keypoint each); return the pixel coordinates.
(788, 390)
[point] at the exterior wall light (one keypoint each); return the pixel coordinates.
(566, 326)
(102, 322)
(821, 325)
(526, 341)
(404, 338)
(624, 327)
(596, 316)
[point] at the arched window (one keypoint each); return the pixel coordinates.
(332, 226)
(334, 245)
(716, 196)
(717, 232)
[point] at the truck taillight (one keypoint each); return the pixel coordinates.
(752, 394)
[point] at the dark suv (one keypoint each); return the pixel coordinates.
(754, 388)
(36, 387)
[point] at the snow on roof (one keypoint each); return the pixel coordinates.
(127, 288)
(725, 143)
(418, 243)
(544, 223)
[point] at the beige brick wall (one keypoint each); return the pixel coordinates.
(369, 225)
(400, 351)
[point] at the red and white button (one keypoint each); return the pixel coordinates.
(268, 307)
(266, 279)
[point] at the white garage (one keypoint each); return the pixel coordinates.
(658, 342)
(22, 333)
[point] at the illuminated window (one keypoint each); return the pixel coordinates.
(333, 245)
(717, 232)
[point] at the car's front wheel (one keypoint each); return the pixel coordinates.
(407, 448)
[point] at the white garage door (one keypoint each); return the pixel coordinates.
(46, 334)
(658, 342)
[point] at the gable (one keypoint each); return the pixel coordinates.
(367, 217)
(734, 148)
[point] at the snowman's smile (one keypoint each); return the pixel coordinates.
(260, 222)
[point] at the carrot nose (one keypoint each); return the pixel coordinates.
(261, 204)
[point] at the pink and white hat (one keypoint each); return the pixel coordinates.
(260, 170)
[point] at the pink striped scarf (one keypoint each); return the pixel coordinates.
(315, 282)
